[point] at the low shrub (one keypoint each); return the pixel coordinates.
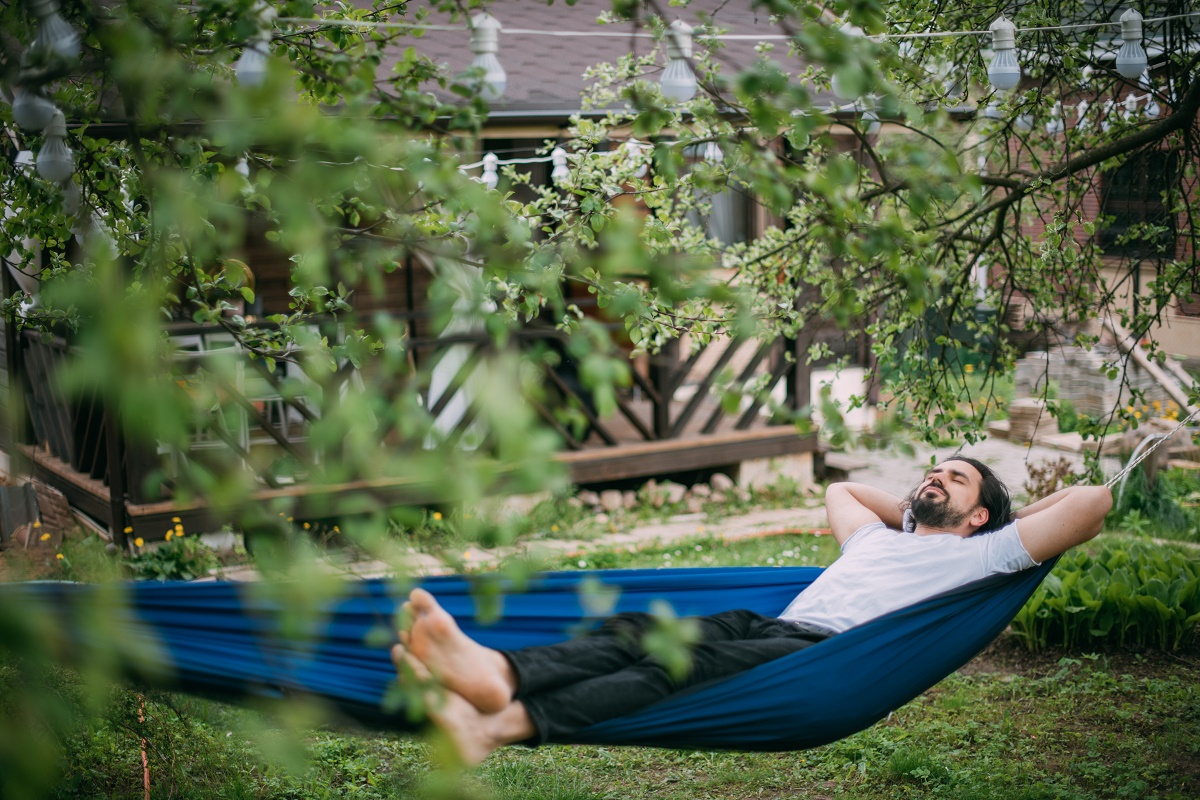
(1133, 594)
(177, 559)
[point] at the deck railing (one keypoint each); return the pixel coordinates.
(261, 422)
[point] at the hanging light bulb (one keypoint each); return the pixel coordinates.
(55, 162)
(1153, 109)
(560, 174)
(1081, 120)
(55, 40)
(678, 81)
(635, 156)
(993, 111)
(840, 91)
(1004, 72)
(1131, 58)
(31, 110)
(490, 178)
(485, 41)
(251, 66)
(1131, 107)
(1024, 122)
(1055, 125)
(71, 197)
(242, 167)
(713, 154)
(1106, 112)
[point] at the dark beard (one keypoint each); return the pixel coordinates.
(935, 512)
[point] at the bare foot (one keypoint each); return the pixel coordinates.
(475, 736)
(479, 674)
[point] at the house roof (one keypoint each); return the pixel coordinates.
(545, 73)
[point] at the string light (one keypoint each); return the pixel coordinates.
(713, 154)
(485, 41)
(839, 90)
(31, 110)
(560, 174)
(55, 40)
(1004, 72)
(251, 67)
(678, 81)
(55, 161)
(1131, 58)
(490, 177)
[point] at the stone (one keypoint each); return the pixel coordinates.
(675, 492)
(574, 502)
(702, 490)
(721, 482)
(600, 519)
(589, 498)
(629, 499)
(717, 497)
(694, 505)
(611, 500)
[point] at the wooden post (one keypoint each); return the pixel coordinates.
(799, 388)
(116, 479)
(662, 377)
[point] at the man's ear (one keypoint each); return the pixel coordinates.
(979, 517)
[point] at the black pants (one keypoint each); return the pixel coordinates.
(607, 674)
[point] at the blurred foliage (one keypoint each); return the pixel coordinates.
(350, 171)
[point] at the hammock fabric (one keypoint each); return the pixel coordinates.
(222, 638)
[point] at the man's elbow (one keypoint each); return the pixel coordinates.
(1099, 502)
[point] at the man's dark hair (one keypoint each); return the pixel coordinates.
(993, 495)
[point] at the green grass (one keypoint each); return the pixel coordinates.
(1009, 726)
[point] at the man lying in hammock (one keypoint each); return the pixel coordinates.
(955, 527)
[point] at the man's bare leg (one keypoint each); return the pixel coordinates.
(480, 675)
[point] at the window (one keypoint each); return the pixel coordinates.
(1133, 195)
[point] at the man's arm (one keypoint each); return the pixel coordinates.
(849, 506)
(1055, 524)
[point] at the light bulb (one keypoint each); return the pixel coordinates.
(678, 81)
(490, 177)
(55, 40)
(560, 174)
(251, 67)
(713, 154)
(55, 162)
(71, 197)
(1004, 72)
(31, 110)
(1131, 58)
(485, 41)
(993, 111)
(1024, 122)
(1081, 119)
(871, 120)
(1056, 125)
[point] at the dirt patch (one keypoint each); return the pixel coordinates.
(1007, 656)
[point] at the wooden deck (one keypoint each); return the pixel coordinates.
(595, 464)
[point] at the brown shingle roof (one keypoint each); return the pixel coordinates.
(545, 73)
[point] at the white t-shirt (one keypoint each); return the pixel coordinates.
(882, 570)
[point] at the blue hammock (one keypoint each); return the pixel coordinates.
(219, 638)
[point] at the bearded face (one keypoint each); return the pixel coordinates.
(932, 507)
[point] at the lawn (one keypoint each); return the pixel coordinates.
(1009, 725)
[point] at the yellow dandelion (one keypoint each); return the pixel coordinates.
(37, 523)
(306, 526)
(1157, 405)
(336, 529)
(289, 519)
(59, 556)
(169, 535)
(139, 541)
(968, 368)
(554, 529)
(44, 537)
(1129, 409)
(128, 529)
(175, 519)
(1137, 415)
(437, 515)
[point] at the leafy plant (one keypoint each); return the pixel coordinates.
(1128, 595)
(177, 559)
